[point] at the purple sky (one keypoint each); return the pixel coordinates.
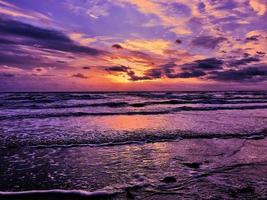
(94, 45)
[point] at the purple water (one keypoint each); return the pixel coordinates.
(212, 143)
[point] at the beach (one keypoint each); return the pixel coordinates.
(133, 145)
(186, 169)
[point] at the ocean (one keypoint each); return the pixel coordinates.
(140, 145)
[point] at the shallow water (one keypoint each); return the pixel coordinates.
(100, 118)
(122, 145)
(224, 169)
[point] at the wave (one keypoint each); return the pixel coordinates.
(124, 138)
(123, 104)
(57, 194)
(143, 188)
(51, 97)
(102, 95)
(159, 112)
(61, 104)
(176, 102)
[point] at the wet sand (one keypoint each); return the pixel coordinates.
(184, 169)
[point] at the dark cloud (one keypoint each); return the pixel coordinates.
(178, 41)
(191, 70)
(42, 38)
(168, 67)
(244, 61)
(154, 73)
(204, 64)
(7, 75)
(209, 69)
(201, 6)
(167, 70)
(158, 73)
(62, 62)
(5, 41)
(246, 55)
(12, 27)
(209, 63)
(117, 46)
(210, 42)
(148, 75)
(72, 48)
(260, 53)
(39, 69)
(79, 75)
(251, 74)
(86, 68)
(253, 38)
(17, 58)
(15, 36)
(120, 68)
(188, 74)
(196, 69)
(134, 77)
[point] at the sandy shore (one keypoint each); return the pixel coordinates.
(185, 169)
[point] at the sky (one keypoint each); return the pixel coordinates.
(129, 45)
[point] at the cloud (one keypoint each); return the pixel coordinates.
(7, 75)
(134, 77)
(117, 69)
(209, 63)
(18, 58)
(14, 11)
(260, 53)
(164, 12)
(154, 73)
(7, 42)
(39, 71)
(158, 46)
(81, 38)
(117, 46)
(257, 33)
(187, 74)
(191, 70)
(259, 6)
(90, 8)
(203, 64)
(27, 57)
(210, 42)
(244, 61)
(149, 75)
(79, 75)
(178, 41)
(253, 38)
(13, 70)
(86, 68)
(16, 28)
(251, 74)
(255, 41)
(159, 73)
(167, 70)
(198, 68)
(43, 38)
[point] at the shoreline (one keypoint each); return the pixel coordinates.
(218, 168)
